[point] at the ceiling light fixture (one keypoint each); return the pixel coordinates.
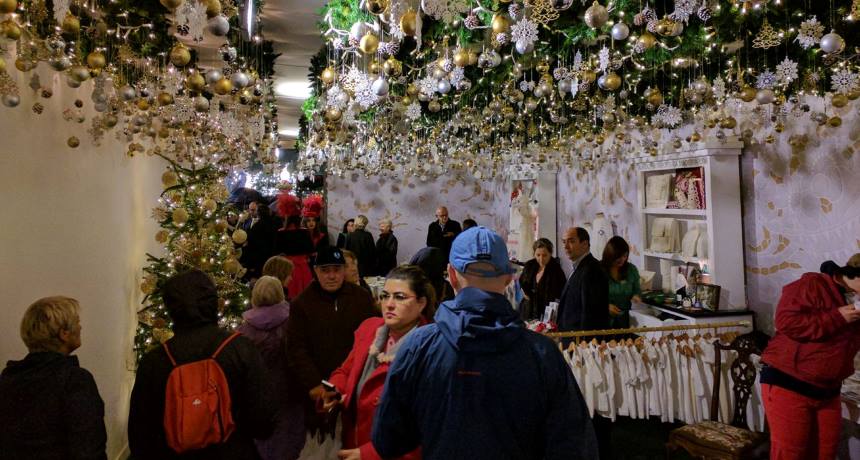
(293, 89)
(289, 132)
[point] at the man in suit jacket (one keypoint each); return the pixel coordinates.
(441, 233)
(584, 301)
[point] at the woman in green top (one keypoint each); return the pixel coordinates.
(623, 281)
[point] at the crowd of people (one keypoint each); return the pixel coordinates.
(439, 366)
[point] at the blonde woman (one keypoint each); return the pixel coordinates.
(281, 268)
(50, 406)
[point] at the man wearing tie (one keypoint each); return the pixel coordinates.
(253, 216)
(441, 233)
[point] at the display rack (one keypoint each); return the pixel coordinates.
(721, 215)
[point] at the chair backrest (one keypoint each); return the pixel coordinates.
(743, 373)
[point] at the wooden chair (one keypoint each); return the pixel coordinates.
(712, 439)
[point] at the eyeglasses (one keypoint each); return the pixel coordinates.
(397, 296)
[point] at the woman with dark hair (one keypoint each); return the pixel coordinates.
(817, 337)
(348, 228)
(318, 237)
(294, 242)
(434, 262)
(542, 281)
(623, 277)
(407, 301)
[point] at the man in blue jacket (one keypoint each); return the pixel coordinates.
(477, 384)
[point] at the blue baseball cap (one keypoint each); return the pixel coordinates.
(480, 244)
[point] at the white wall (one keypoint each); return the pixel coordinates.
(75, 222)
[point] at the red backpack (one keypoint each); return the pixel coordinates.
(197, 403)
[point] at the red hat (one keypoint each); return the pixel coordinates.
(288, 204)
(313, 206)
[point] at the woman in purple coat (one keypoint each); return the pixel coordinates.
(266, 325)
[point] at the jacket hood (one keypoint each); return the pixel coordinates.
(479, 322)
(35, 360)
(191, 299)
(267, 318)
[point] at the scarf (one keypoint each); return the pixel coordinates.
(379, 353)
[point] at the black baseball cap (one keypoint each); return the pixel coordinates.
(329, 255)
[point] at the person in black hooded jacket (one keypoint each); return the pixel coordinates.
(192, 303)
(50, 408)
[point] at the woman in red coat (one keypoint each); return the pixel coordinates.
(817, 337)
(407, 303)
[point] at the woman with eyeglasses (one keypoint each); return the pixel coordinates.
(407, 302)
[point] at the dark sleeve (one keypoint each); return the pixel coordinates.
(555, 283)
(434, 236)
(341, 240)
(395, 427)
(298, 352)
(84, 415)
(527, 278)
(595, 299)
(458, 229)
(568, 428)
(257, 411)
(146, 438)
(324, 242)
(393, 249)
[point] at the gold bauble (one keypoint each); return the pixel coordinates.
(646, 40)
(779, 127)
(164, 133)
(171, 4)
(392, 67)
(369, 43)
(434, 106)
(747, 93)
(195, 82)
(71, 25)
(728, 123)
(222, 86)
(588, 76)
(501, 24)
(610, 81)
(165, 99)
(240, 236)
(180, 216)
(180, 56)
(209, 205)
(80, 73)
(8, 6)
(839, 100)
(461, 58)
(169, 179)
(853, 94)
(73, 142)
(409, 23)
(406, 100)
(835, 122)
(695, 137)
(328, 75)
(677, 144)
(11, 29)
(333, 114)
(220, 226)
(473, 58)
(655, 98)
(373, 67)
(96, 60)
(143, 104)
(21, 65)
(213, 8)
(376, 7)
(232, 266)
(412, 90)
(162, 236)
(596, 15)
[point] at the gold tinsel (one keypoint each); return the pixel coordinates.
(767, 37)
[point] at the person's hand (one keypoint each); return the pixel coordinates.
(448, 234)
(317, 393)
(850, 313)
(614, 311)
(636, 299)
(330, 400)
(349, 454)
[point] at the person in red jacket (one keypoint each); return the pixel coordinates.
(407, 303)
(817, 337)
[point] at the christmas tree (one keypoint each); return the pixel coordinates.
(194, 217)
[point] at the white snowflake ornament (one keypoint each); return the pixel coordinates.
(844, 81)
(428, 85)
(603, 57)
(766, 80)
(456, 76)
(413, 111)
(786, 71)
(668, 115)
(810, 33)
(525, 31)
(719, 88)
(683, 10)
(527, 85)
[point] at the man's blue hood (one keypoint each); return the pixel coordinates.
(478, 321)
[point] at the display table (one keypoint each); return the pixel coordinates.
(651, 313)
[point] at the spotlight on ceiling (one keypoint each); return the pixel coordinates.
(289, 132)
(293, 89)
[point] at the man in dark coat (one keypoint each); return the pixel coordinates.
(360, 242)
(386, 249)
(192, 303)
(320, 329)
(50, 408)
(261, 240)
(441, 232)
(454, 389)
(584, 304)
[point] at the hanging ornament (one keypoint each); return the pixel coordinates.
(596, 15)
(747, 93)
(810, 33)
(96, 60)
(60, 64)
(543, 12)
(786, 71)
(201, 104)
(472, 22)
(180, 56)
(11, 29)
(164, 99)
(222, 87)
(646, 41)
(380, 87)
(434, 106)
(228, 53)
(171, 4)
(71, 26)
(11, 100)
(369, 44)
(195, 82)
(525, 34)
(127, 93)
(410, 23)
(376, 7)
(212, 76)
(765, 96)
(8, 6)
(328, 75)
(240, 80)
(844, 80)
(839, 100)
(704, 13)
(767, 37)
(213, 8)
(392, 67)
(609, 82)
(524, 47)
(79, 73)
(443, 87)
(501, 24)
(489, 59)
(832, 43)
(219, 26)
(562, 5)
(620, 31)
(461, 58)
(73, 142)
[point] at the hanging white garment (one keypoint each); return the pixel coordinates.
(705, 364)
(605, 393)
(651, 362)
(593, 378)
(631, 382)
(622, 399)
(702, 242)
(601, 232)
(684, 387)
(642, 382)
(671, 382)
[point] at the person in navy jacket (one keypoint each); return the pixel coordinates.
(477, 384)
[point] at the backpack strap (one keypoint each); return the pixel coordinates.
(169, 356)
(224, 344)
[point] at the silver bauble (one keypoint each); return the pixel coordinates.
(219, 26)
(11, 100)
(620, 31)
(72, 82)
(56, 43)
(596, 15)
(764, 96)
(524, 47)
(201, 104)
(127, 93)
(832, 43)
(539, 92)
(464, 85)
(79, 73)
(701, 86)
(439, 73)
(213, 76)
(564, 86)
(562, 5)
(380, 87)
(61, 63)
(489, 59)
(444, 86)
(100, 107)
(342, 98)
(240, 79)
(423, 97)
(358, 30)
(545, 87)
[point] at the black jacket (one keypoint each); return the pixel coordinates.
(436, 238)
(295, 242)
(50, 409)
(386, 254)
(361, 243)
(584, 304)
(540, 293)
(261, 240)
(193, 307)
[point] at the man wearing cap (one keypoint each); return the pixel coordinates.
(320, 328)
(477, 384)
